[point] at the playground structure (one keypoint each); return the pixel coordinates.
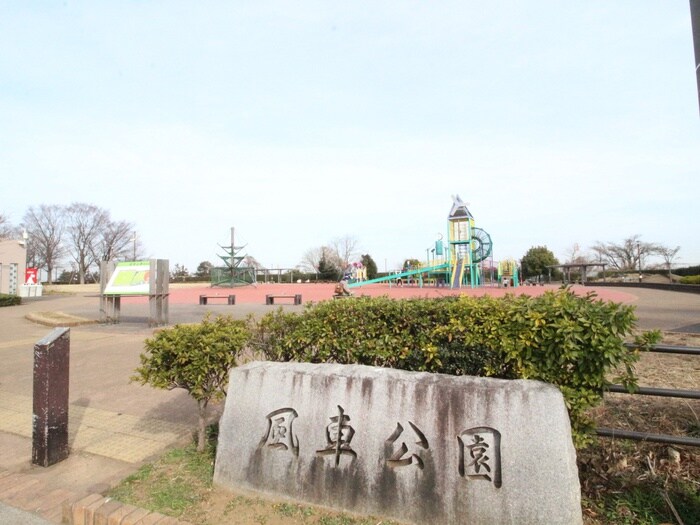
(458, 263)
(355, 272)
(235, 272)
(508, 273)
(239, 272)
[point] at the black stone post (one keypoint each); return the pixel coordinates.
(50, 421)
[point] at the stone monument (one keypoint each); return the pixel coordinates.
(418, 447)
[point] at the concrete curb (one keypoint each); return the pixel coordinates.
(57, 319)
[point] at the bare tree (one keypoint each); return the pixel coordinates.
(334, 257)
(252, 262)
(310, 259)
(7, 231)
(627, 256)
(179, 272)
(574, 255)
(117, 240)
(668, 255)
(85, 223)
(45, 226)
(343, 250)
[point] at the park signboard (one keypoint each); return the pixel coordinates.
(129, 278)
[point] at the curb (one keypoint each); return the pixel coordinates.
(57, 319)
(95, 509)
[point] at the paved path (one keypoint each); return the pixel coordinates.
(10, 515)
(115, 426)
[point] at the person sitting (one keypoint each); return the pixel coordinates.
(341, 289)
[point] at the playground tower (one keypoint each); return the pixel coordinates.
(460, 225)
(467, 247)
(508, 273)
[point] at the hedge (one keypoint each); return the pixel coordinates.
(574, 342)
(9, 300)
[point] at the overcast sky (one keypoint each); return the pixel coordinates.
(560, 123)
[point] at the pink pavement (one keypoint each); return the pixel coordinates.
(315, 292)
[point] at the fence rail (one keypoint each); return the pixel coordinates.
(658, 392)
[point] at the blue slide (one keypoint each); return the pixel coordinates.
(408, 273)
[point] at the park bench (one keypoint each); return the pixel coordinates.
(270, 298)
(231, 299)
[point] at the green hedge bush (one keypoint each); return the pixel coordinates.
(9, 300)
(690, 279)
(571, 341)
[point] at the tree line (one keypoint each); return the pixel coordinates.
(630, 255)
(331, 260)
(83, 233)
(86, 234)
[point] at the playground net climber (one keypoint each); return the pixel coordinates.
(457, 263)
(235, 272)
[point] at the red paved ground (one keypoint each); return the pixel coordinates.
(321, 292)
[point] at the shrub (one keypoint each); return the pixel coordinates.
(196, 357)
(690, 279)
(570, 341)
(687, 271)
(9, 300)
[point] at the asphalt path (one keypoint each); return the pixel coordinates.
(12, 516)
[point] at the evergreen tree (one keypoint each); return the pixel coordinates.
(204, 269)
(371, 266)
(327, 271)
(534, 263)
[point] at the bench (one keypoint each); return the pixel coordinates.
(204, 298)
(270, 298)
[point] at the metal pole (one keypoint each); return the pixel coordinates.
(645, 436)
(695, 24)
(660, 392)
(669, 349)
(233, 250)
(639, 261)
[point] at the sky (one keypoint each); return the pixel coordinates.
(299, 123)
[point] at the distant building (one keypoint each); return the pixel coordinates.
(13, 263)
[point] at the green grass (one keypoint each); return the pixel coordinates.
(645, 504)
(178, 483)
(292, 510)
